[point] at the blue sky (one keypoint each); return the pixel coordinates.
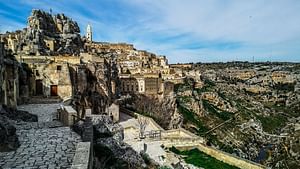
(184, 31)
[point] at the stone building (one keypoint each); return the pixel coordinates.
(241, 74)
(153, 85)
(147, 84)
(50, 76)
(89, 33)
(282, 77)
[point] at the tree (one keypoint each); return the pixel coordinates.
(143, 122)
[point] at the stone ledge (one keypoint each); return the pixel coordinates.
(82, 156)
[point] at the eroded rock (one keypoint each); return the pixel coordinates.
(8, 137)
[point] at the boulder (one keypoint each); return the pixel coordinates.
(17, 115)
(8, 137)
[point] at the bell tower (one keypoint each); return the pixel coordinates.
(89, 33)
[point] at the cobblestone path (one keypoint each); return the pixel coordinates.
(41, 146)
(45, 112)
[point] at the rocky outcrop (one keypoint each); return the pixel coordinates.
(17, 115)
(163, 110)
(2, 51)
(110, 150)
(8, 137)
(94, 84)
(120, 155)
(217, 101)
(104, 127)
(46, 34)
(109, 137)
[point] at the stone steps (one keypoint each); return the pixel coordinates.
(37, 125)
(44, 100)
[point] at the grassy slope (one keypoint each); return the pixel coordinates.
(201, 159)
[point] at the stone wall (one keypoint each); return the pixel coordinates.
(179, 133)
(51, 74)
(219, 155)
(66, 115)
(229, 159)
(82, 156)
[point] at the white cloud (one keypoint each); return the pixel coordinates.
(261, 26)
(254, 21)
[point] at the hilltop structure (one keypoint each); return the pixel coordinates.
(89, 33)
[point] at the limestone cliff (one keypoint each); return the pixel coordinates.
(93, 83)
(46, 34)
(162, 110)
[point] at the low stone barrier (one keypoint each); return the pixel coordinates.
(81, 158)
(66, 114)
(229, 158)
(179, 133)
(182, 142)
(219, 155)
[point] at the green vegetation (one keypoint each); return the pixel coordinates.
(288, 87)
(157, 119)
(209, 83)
(185, 99)
(189, 116)
(291, 110)
(212, 139)
(222, 95)
(271, 123)
(224, 115)
(182, 87)
(164, 167)
(208, 86)
(201, 159)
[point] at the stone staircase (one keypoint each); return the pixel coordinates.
(44, 100)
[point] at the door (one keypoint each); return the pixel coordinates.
(53, 90)
(39, 87)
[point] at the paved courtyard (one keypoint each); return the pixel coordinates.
(45, 112)
(43, 144)
(42, 148)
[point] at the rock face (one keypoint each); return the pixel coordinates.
(17, 114)
(109, 138)
(217, 101)
(163, 110)
(1, 69)
(94, 86)
(47, 34)
(8, 138)
(110, 150)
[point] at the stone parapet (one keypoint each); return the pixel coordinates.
(82, 157)
(66, 115)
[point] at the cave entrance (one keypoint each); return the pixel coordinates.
(53, 90)
(39, 87)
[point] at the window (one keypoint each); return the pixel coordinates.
(58, 67)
